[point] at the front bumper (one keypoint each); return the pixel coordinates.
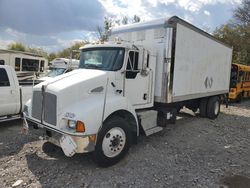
(69, 142)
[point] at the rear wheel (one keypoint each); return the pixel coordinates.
(203, 107)
(213, 107)
(113, 142)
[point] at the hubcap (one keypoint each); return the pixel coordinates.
(216, 107)
(114, 142)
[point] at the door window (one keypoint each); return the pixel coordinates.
(132, 65)
(30, 65)
(4, 80)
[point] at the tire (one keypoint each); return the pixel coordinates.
(203, 107)
(113, 142)
(213, 107)
(161, 119)
(194, 110)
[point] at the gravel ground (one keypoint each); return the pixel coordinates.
(194, 152)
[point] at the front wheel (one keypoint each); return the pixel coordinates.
(113, 142)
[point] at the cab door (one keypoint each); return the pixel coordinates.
(9, 94)
(137, 84)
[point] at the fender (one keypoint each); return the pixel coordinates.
(120, 103)
(90, 111)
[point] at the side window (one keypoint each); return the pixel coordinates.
(30, 65)
(42, 66)
(17, 64)
(132, 65)
(1, 62)
(4, 80)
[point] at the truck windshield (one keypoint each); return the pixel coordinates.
(108, 58)
(55, 72)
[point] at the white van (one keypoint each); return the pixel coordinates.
(60, 66)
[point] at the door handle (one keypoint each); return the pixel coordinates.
(12, 91)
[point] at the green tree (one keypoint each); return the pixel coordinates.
(136, 19)
(52, 56)
(242, 13)
(68, 52)
(38, 51)
(17, 46)
(237, 33)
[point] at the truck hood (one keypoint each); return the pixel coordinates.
(75, 86)
(72, 79)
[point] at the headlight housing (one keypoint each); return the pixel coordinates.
(72, 124)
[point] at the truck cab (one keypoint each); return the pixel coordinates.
(112, 82)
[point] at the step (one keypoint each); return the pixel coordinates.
(153, 130)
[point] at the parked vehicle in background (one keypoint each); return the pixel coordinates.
(60, 66)
(240, 82)
(133, 84)
(24, 63)
(12, 96)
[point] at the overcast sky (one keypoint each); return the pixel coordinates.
(56, 24)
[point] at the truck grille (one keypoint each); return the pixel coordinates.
(37, 104)
(50, 108)
(50, 101)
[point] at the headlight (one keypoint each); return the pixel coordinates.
(72, 124)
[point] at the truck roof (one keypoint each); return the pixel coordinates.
(108, 44)
(159, 23)
(20, 52)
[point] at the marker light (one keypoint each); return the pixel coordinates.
(80, 127)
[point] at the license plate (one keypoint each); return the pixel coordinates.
(68, 145)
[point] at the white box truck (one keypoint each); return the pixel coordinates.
(133, 84)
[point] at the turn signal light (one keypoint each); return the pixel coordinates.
(80, 127)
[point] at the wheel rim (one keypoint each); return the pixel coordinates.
(114, 142)
(216, 107)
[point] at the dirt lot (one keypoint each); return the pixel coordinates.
(195, 152)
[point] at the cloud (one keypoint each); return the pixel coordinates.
(49, 17)
(5, 43)
(206, 12)
(149, 8)
(56, 24)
